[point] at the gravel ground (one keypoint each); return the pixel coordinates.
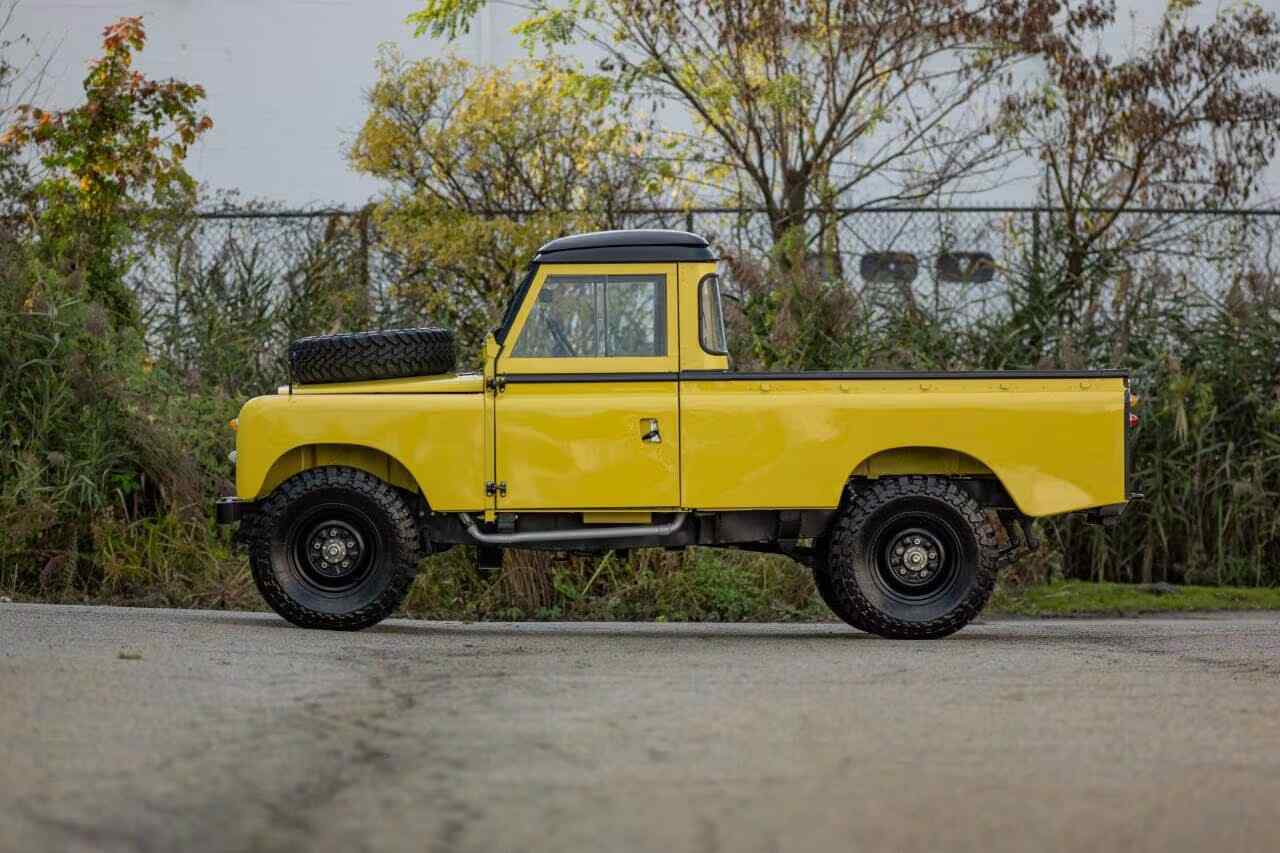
(163, 730)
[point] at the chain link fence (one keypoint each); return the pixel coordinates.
(276, 274)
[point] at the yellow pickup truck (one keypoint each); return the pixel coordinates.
(608, 417)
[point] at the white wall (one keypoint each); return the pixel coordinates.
(285, 79)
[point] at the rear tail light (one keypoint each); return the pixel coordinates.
(1133, 420)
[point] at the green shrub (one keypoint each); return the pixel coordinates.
(98, 443)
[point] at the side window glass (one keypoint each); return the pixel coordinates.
(597, 316)
(711, 317)
(635, 315)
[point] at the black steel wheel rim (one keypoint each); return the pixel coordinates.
(332, 548)
(916, 556)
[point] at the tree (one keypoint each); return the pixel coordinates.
(484, 165)
(17, 84)
(1187, 119)
(109, 164)
(801, 107)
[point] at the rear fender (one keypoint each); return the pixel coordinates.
(974, 475)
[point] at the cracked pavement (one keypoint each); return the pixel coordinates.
(130, 729)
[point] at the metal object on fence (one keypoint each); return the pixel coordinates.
(966, 267)
(889, 267)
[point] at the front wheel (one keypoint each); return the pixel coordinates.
(910, 558)
(334, 548)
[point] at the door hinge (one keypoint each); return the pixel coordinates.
(498, 384)
(491, 488)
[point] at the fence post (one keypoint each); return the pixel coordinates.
(1035, 244)
(366, 297)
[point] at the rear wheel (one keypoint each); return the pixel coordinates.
(335, 548)
(821, 575)
(911, 558)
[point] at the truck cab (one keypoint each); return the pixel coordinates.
(607, 416)
(598, 334)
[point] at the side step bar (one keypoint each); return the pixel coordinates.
(616, 532)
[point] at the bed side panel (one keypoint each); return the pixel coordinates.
(1056, 444)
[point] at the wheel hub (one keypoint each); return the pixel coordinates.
(915, 557)
(334, 548)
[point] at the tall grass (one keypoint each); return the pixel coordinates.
(700, 584)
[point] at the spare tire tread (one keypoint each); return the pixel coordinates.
(384, 354)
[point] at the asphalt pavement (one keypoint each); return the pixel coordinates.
(124, 729)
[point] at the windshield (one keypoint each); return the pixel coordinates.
(513, 305)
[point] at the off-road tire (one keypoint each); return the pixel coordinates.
(821, 577)
(305, 510)
(862, 586)
(389, 354)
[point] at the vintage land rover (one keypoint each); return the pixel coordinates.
(608, 417)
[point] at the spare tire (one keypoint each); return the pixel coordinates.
(388, 354)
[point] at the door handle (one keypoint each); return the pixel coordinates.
(652, 436)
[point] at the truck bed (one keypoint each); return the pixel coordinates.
(1055, 439)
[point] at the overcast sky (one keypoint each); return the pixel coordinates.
(285, 80)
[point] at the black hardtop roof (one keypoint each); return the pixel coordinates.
(636, 245)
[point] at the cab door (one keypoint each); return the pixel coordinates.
(586, 412)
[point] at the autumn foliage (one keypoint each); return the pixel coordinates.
(484, 165)
(110, 162)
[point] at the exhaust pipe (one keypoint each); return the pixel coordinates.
(542, 536)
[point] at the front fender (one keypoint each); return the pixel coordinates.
(436, 438)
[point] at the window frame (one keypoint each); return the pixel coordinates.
(508, 362)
